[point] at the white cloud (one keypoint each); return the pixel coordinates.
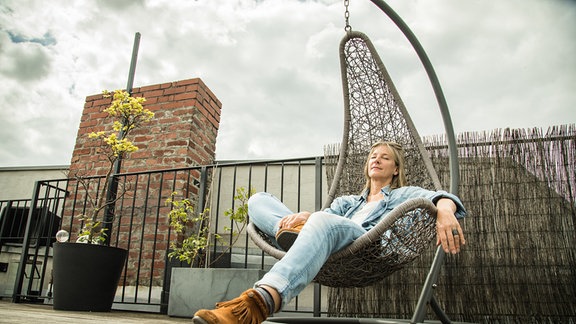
(274, 65)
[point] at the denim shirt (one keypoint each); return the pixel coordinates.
(347, 206)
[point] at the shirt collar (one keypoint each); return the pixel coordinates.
(385, 191)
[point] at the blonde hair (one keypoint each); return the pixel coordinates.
(398, 180)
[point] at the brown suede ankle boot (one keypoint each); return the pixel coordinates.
(249, 308)
(286, 236)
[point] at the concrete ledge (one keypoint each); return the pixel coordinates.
(192, 289)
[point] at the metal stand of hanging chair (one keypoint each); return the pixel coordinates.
(350, 150)
(426, 295)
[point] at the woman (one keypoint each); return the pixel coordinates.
(315, 236)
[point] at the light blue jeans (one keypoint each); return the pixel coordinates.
(322, 235)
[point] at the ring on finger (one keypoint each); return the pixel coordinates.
(455, 232)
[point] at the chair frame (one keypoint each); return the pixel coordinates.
(426, 295)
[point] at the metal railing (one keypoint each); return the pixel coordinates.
(141, 225)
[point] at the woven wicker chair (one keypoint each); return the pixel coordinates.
(373, 110)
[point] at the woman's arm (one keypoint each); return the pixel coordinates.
(447, 225)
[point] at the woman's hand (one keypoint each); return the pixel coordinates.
(449, 234)
(290, 221)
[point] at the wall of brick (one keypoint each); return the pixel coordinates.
(182, 133)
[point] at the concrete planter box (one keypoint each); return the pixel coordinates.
(192, 289)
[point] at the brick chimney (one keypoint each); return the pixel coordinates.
(182, 133)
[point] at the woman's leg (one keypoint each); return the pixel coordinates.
(322, 235)
(265, 211)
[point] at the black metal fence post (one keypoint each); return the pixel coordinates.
(318, 206)
(26, 242)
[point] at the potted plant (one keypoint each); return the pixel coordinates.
(193, 229)
(86, 272)
(201, 286)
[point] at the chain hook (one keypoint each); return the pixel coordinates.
(347, 28)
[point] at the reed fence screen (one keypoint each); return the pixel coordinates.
(519, 264)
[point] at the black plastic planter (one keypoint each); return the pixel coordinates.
(86, 276)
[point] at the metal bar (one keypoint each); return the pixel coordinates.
(132, 70)
(454, 170)
(246, 242)
(142, 233)
(233, 206)
(43, 225)
(426, 295)
(318, 203)
(155, 241)
(112, 190)
(164, 296)
(202, 192)
(16, 294)
(427, 289)
(217, 211)
(129, 242)
(439, 312)
(282, 181)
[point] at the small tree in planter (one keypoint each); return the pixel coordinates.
(193, 229)
(86, 275)
(128, 114)
(195, 288)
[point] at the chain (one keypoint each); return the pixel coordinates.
(347, 28)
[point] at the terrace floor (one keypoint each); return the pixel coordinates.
(42, 313)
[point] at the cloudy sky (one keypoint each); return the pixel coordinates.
(274, 65)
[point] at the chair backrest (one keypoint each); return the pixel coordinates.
(373, 111)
